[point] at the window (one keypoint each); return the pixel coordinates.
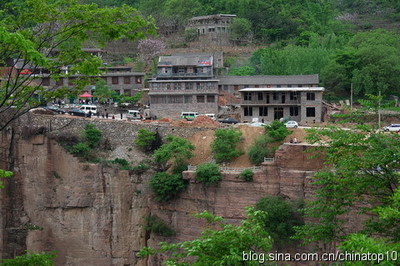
(210, 98)
(225, 87)
(175, 99)
(283, 98)
(267, 100)
(127, 80)
(278, 86)
(275, 96)
(294, 96)
(138, 80)
(158, 99)
(294, 110)
(247, 96)
(289, 86)
(60, 82)
(188, 99)
(310, 96)
(46, 82)
(248, 111)
(114, 80)
(310, 111)
(260, 96)
(263, 111)
(200, 99)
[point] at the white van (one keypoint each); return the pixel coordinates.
(212, 116)
(133, 115)
(89, 108)
(189, 116)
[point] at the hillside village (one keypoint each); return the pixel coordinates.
(201, 132)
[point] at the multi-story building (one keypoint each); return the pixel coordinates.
(301, 104)
(230, 85)
(213, 28)
(183, 83)
(122, 79)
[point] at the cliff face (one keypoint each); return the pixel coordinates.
(93, 215)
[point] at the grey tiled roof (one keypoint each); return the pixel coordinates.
(269, 80)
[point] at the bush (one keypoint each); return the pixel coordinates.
(81, 150)
(124, 164)
(208, 173)
(224, 145)
(140, 168)
(92, 135)
(166, 186)
(157, 226)
(43, 259)
(277, 130)
(147, 140)
(281, 218)
(177, 149)
(247, 175)
(260, 149)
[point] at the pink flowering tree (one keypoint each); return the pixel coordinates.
(149, 49)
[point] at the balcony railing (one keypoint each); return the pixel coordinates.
(164, 75)
(271, 102)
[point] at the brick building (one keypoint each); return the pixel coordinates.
(184, 83)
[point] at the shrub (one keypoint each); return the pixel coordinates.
(166, 186)
(140, 168)
(147, 140)
(260, 149)
(247, 175)
(177, 149)
(92, 135)
(281, 218)
(224, 145)
(157, 226)
(43, 259)
(208, 173)
(124, 164)
(81, 150)
(277, 130)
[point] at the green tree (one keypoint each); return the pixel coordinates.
(224, 145)
(260, 149)
(146, 139)
(102, 92)
(224, 246)
(51, 34)
(281, 219)
(208, 173)
(240, 30)
(176, 151)
(166, 186)
(31, 259)
(365, 170)
(92, 135)
(277, 131)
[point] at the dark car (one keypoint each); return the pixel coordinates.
(77, 112)
(228, 120)
(55, 109)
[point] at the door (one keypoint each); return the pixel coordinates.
(278, 113)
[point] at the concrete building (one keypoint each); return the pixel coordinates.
(214, 28)
(183, 83)
(121, 79)
(230, 85)
(301, 104)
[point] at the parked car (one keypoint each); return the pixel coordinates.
(291, 124)
(257, 124)
(392, 128)
(77, 112)
(55, 109)
(228, 120)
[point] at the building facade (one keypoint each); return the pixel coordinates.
(231, 85)
(213, 27)
(183, 83)
(301, 104)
